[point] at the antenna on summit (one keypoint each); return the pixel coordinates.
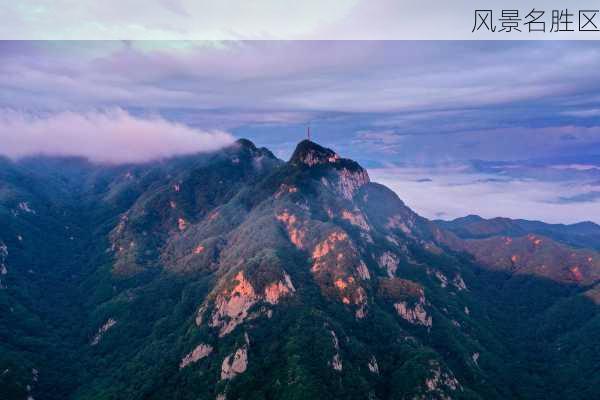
(308, 132)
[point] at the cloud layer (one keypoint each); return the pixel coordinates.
(113, 136)
(266, 19)
(456, 191)
(513, 111)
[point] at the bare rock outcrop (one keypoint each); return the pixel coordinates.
(350, 181)
(3, 267)
(459, 283)
(201, 351)
(415, 314)
(102, 330)
(276, 290)
(440, 382)
(235, 363)
(373, 366)
(296, 231)
(25, 207)
(356, 218)
(232, 306)
(336, 360)
(389, 261)
(363, 271)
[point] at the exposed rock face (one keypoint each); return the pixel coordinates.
(274, 291)
(311, 154)
(231, 308)
(200, 352)
(401, 222)
(3, 255)
(459, 283)
(326, 246)
(413, 311)
(102, 330)
(235, 364)
(312, 158)
(408, 299)
(360, 300)
(285, 189)
(337, 267)
(333, 260)
(336, 360)
(442, 278)
(441, 382)
(24, 206)
(296, 232)
(349, 182)
(363, 271)
(348, 176)
(414, 314)
(356, 218)
(373, 367)
(389, 261)
(351, 293)
(200, 314)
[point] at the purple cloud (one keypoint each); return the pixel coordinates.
(406, 103)
(113, 136)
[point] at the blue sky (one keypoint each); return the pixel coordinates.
(494, 128)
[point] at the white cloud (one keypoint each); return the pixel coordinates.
(263, 19)
(450, 192)
(110, 136)
(168, 19)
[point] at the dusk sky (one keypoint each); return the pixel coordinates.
(491, 128)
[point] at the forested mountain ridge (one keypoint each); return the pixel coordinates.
(235, 275)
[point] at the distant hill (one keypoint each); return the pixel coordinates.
(582, 234)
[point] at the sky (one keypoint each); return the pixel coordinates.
(494, 128)
(274, 19)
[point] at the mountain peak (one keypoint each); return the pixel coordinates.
(310, 153)
(348, 176)
(247, 146)
(246, 143)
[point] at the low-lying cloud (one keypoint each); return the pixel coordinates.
(109, 136)
(455, 192)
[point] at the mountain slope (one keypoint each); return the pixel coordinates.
(583, 234)
(235, 275)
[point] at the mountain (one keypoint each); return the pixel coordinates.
(582, 234)
(235, 275)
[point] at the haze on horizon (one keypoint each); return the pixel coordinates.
(455, 128)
